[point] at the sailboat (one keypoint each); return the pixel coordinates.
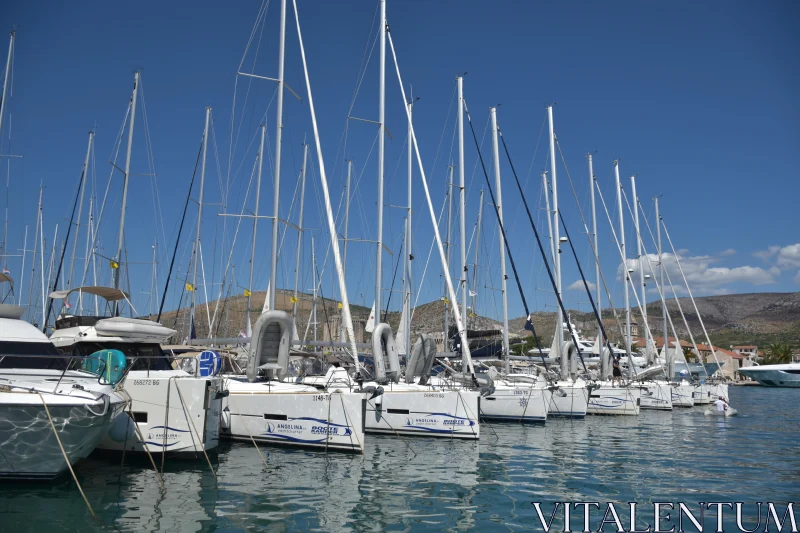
(170, 410)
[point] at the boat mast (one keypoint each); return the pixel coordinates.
(640, 264)
(154, 286)
(199, 222)
(344, 245)
(381, 105)
(624, 257)
(556, 245)
(447, 254)
(328, 210)
(82, 185)
(499, 200)
(462, 212)
(407, 258)
(5, 80)
(474, 292)
(299, 237)
(668, 353)
(273, 271)
(255, 229)
(22, 268)
(598, 302)
(120, 240)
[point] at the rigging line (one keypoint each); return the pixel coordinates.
(585, 284)
(96, 232)
(589, 236)
(505, 238)
(425, 270)
(236, 232)
(232, 147)
(622, 330)
(152, 168)
(180, 230)
(391, 287)
(365, 58)
(544, 258)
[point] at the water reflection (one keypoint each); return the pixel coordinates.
(436, 484)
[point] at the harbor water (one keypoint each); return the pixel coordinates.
(442, 485)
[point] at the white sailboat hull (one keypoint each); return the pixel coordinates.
(570, 400)
(656, 395)
(682, 395)
(702, 394)
(284, 414)
(416, 410)
(174, 411)
(516, 402)
(609, 400)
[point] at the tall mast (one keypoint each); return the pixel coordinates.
(640, 263)
(82, 185)
(299, 235)
(328, 210)
(669, 355)
(255, 227)
(626, 272)
(477, 248)
(344, 245)
(499, 200)
(120, 240)
(381, 102)
(22, 268)
(199, 221)
(35, 251)
(462, 208)
(407, 258)
(154, 287)
(5, 80)
(447, 253)
(557, 247)
(273, 271)
(598, 301)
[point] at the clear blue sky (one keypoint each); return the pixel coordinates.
(697, 99)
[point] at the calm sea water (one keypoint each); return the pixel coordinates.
(436, 485)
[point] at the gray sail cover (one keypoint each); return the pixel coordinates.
(269, 345)
(421, 360)
(384, 350)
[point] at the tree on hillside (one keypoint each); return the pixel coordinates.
(689, 355)
(777, 353)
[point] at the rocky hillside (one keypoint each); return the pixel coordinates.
(757, 318)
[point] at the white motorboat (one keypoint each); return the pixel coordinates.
(262, 406)
(785, 375)
(41, 397)
(171, 410)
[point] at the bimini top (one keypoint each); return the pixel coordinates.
(6, 277)
(109, 294)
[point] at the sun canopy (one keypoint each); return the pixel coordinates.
(6, 277)
(107, 293)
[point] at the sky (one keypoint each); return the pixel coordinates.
(697, 100)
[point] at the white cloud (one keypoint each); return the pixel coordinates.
(578, 286)
(701, 275)
(766, 254)
(729, 252)
(789, 256)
